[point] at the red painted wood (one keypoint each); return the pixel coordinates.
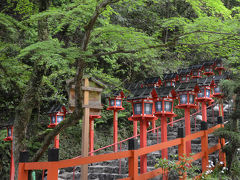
(12, 168)
(164, 136)
(135, 127)
(56, 141)
(91, 136)
(143, 143)
(115, 130)
(188, 130)
(204, 111)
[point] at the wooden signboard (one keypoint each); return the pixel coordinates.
(92, 89)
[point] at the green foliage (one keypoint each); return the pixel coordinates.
(184, 166)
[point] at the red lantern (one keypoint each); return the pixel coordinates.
(152, 82)
(208, 68)
(196, 71)
(9, 134)
(142, 105)
(115, 104)
(57, 114)
(163, 101)
(219, 66)
(170, 79)
(186, 100)
(10, 138)
(184, 75)
(204, 95)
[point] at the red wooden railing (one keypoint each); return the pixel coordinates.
(132, 155)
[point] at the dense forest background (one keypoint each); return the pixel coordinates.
(44, 43)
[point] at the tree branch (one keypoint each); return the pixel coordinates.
(89, 26)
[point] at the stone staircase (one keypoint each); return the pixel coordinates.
(117, 169)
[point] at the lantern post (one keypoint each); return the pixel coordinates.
(163, 101)
(186, 100)
(151, 82)
(115, 104)
(10, 138)
(217, 93)
(204, 96)
(142, 104)
(91, 133)
(57, 114)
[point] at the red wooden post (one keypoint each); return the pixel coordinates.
(12, 168)
(91, 135)
(22, 173)
(181, 148)
(154, 126)
(115, 130)
(143, 143)
(164, 135)
(135, 126)
(204, 111)
(56, 142)
(188, 129)
(204, 146)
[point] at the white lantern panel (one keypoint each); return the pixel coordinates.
(184, 78)
(9, 132)
(138, 108)
(207, 92)
(201, 94)
(167, 106)
(168, 84)
(191, 99)
(112, 102)
(183, 99)
(148, 108)
(195, 73)
(59, 119)
(53, 119)
(158, 106)
(217, 90)
(118, 102)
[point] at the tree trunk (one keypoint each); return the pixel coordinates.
(24, 110)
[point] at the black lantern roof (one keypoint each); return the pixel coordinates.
(196, 67)
(169, 76)
(204, 81)
(188, 86)
(218, 60)
(184, 71)
(218, 78)
(152, 80)
(55, 108)
(115, 93)
(164, 91)
(133, 86)
(140, 93)
(208, 63)
(8, 123)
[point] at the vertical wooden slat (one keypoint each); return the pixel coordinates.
(85, 130)
(204, 145)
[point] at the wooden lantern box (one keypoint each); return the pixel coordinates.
(94, 87)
